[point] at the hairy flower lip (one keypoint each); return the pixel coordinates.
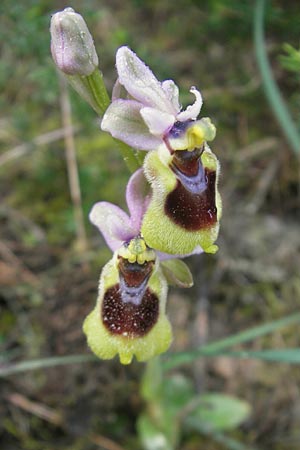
(181, 205)
(128, 328)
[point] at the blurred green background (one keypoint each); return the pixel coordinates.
(47, 285)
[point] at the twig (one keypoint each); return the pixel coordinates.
(72, 167)
(257, 148)
(238, 90)
(12, 259)
(16, 216)
(263, 186)
(35, 408)
(43, 139)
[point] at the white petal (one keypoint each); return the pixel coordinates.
(158, 122)
(140, 82)
(113, 223)
(123, 120)
(172, 91)
(137, 198)
(193, 110)
(116, 92)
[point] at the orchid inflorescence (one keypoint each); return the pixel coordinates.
(173, 200)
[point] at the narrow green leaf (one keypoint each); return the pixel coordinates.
(288, 355)
(219, 347)
(10, 369)
(273, 94)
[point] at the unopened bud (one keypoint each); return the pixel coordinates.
(72, 45)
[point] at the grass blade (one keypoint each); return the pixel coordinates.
(284, 355)
(220, 347)
(272, 92)
(24, 366)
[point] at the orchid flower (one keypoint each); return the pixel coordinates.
(130, 315)
(173, 201)
(117, 227)
(185, 207)
(147, 117)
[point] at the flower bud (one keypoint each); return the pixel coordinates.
(72, 45)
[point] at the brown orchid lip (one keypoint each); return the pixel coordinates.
(128, 319)
(188, 168)
(134, 273)
(129, 307)
(134, 278)
(192, 203)
(187, 161)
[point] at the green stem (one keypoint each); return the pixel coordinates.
(93, 90)
(272, 92)
(131, 158)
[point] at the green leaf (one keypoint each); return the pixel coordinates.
(165, 400)
(152, 438)
(218, 412)
(177, 273)
(291, 61)
(177, 391)
(287, 355)
(220, 347)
